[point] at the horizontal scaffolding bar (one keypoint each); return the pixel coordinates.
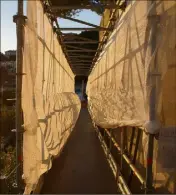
(77, 58)
(81, 42)
(82, 69)
(84, 28)
(65, 7)
(85, 50)
(115, 169)
(129, 162)
(80, 56)
(79, 64)
(77, 47)
(82, 61)
(80, 74)
(75, 36)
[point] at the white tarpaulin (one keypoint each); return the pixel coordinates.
(133, 82)
(50, 106)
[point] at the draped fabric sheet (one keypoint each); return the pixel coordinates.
(133, 83)
(50, 106)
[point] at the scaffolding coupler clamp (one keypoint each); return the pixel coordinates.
(20, 74)
(17, 17)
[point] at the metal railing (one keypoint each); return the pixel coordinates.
(122, 161)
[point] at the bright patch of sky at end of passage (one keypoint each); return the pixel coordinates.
(8, 28)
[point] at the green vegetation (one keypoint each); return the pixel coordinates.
(7, 120)
(7, 152)
(7, 169)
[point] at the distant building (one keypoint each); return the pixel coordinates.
(11, 55)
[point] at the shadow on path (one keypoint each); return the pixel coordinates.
(82, 166)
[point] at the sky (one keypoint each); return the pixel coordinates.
(8, 28)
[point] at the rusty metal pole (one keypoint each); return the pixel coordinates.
(19, 19)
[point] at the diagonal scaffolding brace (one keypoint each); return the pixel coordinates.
(88, 29)
(82, 22)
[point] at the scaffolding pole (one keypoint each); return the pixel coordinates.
(152, 109)
(19, 19)
(126, 158)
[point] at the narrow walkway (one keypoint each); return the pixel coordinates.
(82, 167)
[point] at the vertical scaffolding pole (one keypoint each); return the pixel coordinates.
(83, 88)
(19, 19)
(135, 152)
(152, 108)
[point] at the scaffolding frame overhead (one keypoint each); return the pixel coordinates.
(76, 46)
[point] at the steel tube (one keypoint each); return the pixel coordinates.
(133, 168)
(80, 21)
(135, 154)
(81, 42)
(80, 51)
(124, 185)
(80, 29)
(65, 7)
(80, 56)
(152, 101)
(121, 181)
(19, 62)
(131, 140)
(121, 188)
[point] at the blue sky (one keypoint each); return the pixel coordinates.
(8, 28)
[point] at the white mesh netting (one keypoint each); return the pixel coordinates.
(133, 83)
(50, 106)
(138, 57)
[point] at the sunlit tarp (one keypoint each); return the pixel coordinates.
(138, 57)
(133, 82)
(50, 106)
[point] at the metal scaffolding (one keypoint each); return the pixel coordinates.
(19, 19)
(123, 155)
(81, 64)
(66, 39)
